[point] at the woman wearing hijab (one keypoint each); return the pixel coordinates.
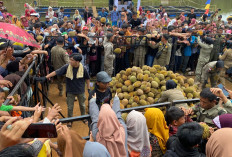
(172, 93)
(24, 21)
(138, 136)
(17, 22)
(51, 13)
(29, 10)
(77, 15)
(108, 127)
(159, 132)
(81, 147)
(219, 144)
(223, 121)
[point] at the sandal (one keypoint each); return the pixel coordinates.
(85, 121)
(69, 124)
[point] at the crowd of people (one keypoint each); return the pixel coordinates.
(81, 47)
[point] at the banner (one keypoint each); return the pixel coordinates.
(207, 6)
(116, 3)
(138, 4)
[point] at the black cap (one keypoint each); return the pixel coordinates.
(103, 77)
(3, 45)
(220, 16)
(220, 64)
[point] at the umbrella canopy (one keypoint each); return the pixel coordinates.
(16, 34)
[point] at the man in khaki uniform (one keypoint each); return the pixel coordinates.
(212, 70)
(227, 58)
(207, 110)
(59, 58)
(140, 48)
(109, 55)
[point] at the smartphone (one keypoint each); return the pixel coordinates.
(223, 90)
(40, 130)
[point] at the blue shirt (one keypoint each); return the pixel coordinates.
(114, 16)
(105, 14)
(188, 49)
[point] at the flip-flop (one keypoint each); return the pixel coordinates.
(85, 121)
(69, 125)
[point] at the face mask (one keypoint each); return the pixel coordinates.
(186, 27)
(46, 34)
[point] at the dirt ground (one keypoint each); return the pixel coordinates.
(79, 126)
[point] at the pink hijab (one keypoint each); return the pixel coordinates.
(111, 133)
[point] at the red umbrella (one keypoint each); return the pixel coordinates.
(16, 34)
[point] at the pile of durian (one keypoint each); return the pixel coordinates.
(136, 86)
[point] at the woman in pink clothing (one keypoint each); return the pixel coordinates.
(165, 20)
(24, 21)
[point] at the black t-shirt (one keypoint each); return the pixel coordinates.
(191, 16)
(75, 86)
(135, 23)
(102, 97)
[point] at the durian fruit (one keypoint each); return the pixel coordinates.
(117, 50)
(190, 81)
(206, 132)
(189, 90)
(189, 95)
(163, 88)
(130, 88)
(136, 99)
(142, 102)
(128, 71)
(125, 102)
(145, 77)
(121, 106)
(119, 90)
(133, 79)
(154, 84)
(143, 97)
(161, 77)
(131, 100)
(124, 116)
(124, 88)
(147, 90)
(120, 96)
(140, 76)
(163, 83)
(157, 80)
(150, 100)
(124, 77)
(137, 84)
(150, 94)
(103, 20)
(119, 85)
(134, 104)
(127, 83)
(140, 92)
(126, 95)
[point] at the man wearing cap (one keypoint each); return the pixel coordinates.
(109, 55)
(140, 48)
(102, 90)
(103, 13)
(76, 76)
(212, 70)
(219, 22)
(59, 58)
(48, 22)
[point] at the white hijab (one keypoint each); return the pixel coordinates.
(138, 136)
(50, 13)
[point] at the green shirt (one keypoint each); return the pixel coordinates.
(6, 107)
(207, 116)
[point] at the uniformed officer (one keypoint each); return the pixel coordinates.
(206, 48)
(59, 58)
(109, 55)
(164, 52)
(218, 42)
(140, 48)
(208, 109)
(213, 71)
